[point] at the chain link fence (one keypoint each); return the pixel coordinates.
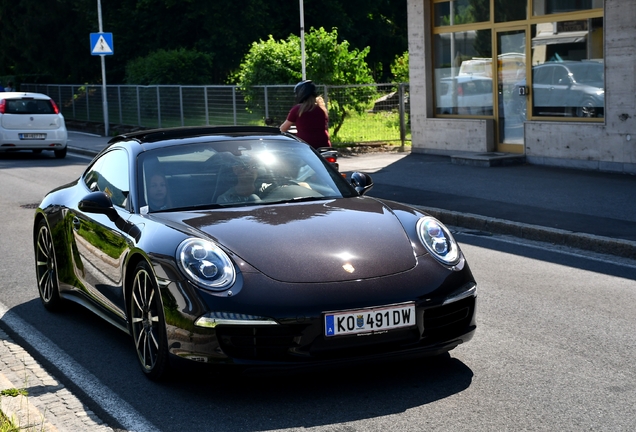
(359, 114)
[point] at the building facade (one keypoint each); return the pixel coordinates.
(553, 80)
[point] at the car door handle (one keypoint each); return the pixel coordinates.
(76, 223)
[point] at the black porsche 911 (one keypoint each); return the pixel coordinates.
(243, 246)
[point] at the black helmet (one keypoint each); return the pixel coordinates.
(303, 90)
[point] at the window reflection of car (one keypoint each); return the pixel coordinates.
(568, 88)
(474, 95)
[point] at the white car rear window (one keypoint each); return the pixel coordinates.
(29, 106)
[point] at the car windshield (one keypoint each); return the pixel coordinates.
(235, 172)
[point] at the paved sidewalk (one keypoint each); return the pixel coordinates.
(47, 405)
(589, 210)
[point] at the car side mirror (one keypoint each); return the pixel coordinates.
(99, 202)
(361, 182)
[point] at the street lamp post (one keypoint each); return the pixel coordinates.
(302, 39)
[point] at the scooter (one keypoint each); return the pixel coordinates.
(330, 155)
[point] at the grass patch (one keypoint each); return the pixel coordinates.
(6, 424)
(13, 392)
(383, 126)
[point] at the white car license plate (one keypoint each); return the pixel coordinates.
(32, 136)
(372, 320)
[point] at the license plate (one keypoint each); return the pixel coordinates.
(32, 136)
(372, 320)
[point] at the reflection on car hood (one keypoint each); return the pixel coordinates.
(326, 241)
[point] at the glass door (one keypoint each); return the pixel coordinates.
(512, 90)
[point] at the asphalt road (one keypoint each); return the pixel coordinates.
(554, 347)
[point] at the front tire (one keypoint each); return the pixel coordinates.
(147, 323)
(46, 268)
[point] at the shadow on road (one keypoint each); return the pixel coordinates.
(328, 397)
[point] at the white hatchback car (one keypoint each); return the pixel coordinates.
(31, 121)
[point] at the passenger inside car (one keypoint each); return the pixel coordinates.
(158, 197)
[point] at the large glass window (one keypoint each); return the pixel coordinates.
(510, 10)
(565, 67)
(548, 7)
(568, 77)
(463, 73)
(457, 12)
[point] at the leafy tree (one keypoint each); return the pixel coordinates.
(51, 44)
(400, 68)
(38, 44)
(178, 66)
(328, 62)
(379, 24)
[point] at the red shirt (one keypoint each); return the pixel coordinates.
(312, 126)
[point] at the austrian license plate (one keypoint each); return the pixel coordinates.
(32, 136)
(372, 320)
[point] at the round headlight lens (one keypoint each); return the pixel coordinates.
(206, 264)
(438, 240)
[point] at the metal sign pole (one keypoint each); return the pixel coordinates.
(104, 100)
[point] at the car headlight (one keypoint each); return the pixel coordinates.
(206, 264)
(438, 240)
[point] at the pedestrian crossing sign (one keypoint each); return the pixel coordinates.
(102, 43)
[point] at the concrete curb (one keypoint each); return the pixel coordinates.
(78, 150)
(589, 242)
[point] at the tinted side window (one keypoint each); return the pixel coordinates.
(109, 174)
(542, 75)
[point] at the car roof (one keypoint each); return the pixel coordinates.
(220, 132)
(9, 95)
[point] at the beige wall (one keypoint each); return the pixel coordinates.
(607, 146)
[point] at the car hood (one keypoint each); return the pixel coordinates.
(326, 241)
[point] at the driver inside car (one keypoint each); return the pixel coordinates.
(245, 189)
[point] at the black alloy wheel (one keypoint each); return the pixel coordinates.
(147, 323)
(587, 109)
(46, 268)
